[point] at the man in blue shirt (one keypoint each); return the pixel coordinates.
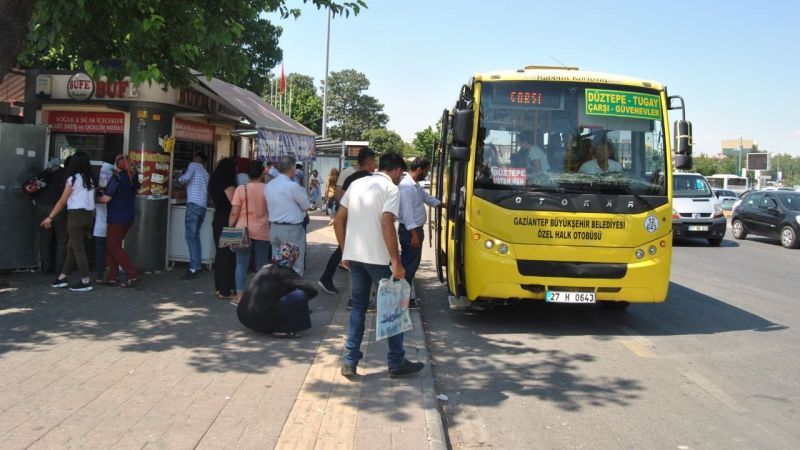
(412, 218)
(287, 203)
(196, 179)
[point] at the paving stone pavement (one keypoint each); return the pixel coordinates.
(167, 365)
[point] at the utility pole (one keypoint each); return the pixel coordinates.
(740, 156)
(325, 92)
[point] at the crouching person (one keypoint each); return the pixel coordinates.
(276, 300)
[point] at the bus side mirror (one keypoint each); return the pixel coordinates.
(683, 144)
(462, 127)
(459, 153)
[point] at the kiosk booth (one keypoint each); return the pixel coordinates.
(160, 129)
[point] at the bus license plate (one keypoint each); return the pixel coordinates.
(570, 297)
(698, 227)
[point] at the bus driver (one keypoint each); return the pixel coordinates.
(602, 162)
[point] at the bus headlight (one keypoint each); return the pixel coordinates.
(639, 253)
(502, 249)
(651, 250)
(488, 244)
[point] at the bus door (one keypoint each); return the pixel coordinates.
(438, 234)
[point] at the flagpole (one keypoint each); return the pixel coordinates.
(325, 92)
(290, 100)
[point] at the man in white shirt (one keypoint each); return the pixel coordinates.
(412, 218)
(287, 204)
(365, 231)
(530, 155)
(601, 163)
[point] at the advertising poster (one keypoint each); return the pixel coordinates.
(153, 170)
(272, 145)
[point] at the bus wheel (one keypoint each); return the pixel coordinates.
(614, 306)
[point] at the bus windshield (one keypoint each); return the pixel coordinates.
(570, 137)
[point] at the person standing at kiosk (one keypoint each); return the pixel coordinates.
(196, 179)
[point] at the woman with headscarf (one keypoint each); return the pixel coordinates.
(78, 198)
(120, 196)
(222, 186)
(276, 300)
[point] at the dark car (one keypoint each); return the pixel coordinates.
(769, 213)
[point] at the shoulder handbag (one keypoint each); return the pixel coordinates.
(237, 238)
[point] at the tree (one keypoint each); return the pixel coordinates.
(384, 141)
(152, 40)
(306, 105)
(424, 141)
(350, 110)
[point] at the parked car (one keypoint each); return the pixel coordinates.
(696, 211)
(425, 184)
(769, 213)
(726, 198)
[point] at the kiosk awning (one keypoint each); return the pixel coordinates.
(262, 114)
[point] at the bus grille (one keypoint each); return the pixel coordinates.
(571, 269)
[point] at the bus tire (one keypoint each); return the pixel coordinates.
(614, 306)
(714, 242)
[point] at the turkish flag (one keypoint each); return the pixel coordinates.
(282, 87)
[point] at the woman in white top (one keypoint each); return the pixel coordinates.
(78, 197)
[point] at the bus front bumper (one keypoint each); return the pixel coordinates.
(527, 272)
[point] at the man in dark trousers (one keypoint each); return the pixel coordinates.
(52, 241)
(366, 166)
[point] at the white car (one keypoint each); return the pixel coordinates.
(425, 184)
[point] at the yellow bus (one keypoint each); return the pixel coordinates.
(556, 185)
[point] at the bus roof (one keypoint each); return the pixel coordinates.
(547, 73)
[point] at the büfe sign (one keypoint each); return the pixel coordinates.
(83, 122)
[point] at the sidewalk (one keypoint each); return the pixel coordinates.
(167, 365)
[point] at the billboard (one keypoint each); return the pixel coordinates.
(757, 161)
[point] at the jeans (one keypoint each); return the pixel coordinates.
(362, 277)
(261, 251)
(295, 234)
(99, 257)
(410, 256)
(194, 221)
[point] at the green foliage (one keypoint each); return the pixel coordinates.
(306, 106)
(162, 41)
(351, 112)
(424, 141)
(384, 141)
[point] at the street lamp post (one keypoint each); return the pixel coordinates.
(325, 92)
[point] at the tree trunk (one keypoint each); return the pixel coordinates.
(15, 15)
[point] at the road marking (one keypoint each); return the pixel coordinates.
(638, 345)
(639, 349)
(716, 392)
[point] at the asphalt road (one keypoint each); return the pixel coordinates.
(715, 366)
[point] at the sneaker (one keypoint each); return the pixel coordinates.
(190, 275)
(81, 287)
(348, 371)
(412, 304)
(408, 368)
(350, 304)
(59, 283)
(328, 286)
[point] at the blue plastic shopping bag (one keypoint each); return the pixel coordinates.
(392, 316)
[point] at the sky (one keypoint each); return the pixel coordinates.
(734, 63)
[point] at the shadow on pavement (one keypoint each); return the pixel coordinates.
(164, 313)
